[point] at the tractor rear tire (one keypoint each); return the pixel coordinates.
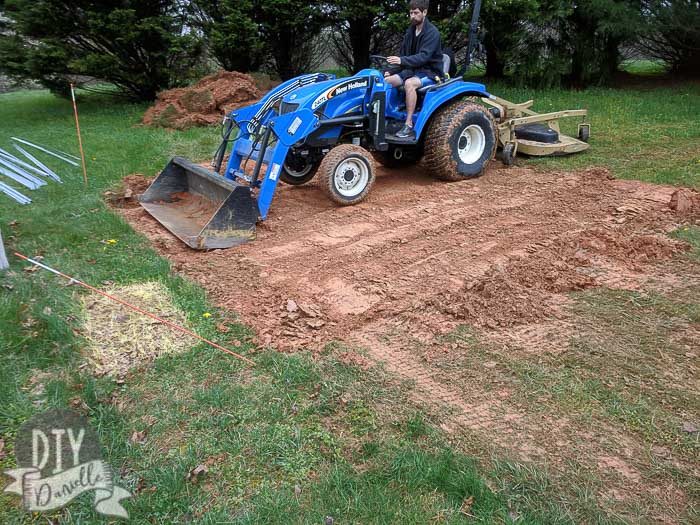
(460, 142)
(347, 174)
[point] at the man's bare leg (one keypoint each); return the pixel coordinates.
(394, 80)
(411, 86)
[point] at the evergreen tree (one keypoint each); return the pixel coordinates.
(140, 46)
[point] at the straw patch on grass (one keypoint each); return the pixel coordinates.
(120, 339)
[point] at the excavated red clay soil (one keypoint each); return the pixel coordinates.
(496, 252)
(204, 103)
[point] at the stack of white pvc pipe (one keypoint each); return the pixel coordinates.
(30, 172)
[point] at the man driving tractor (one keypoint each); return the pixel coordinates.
(420, 63)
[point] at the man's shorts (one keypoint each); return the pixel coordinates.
(425, 79)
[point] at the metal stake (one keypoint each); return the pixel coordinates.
(4, 265)
(14, 160)
(14, 194)
(40, 148)
(41, 165)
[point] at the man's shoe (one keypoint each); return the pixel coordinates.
(406, 132)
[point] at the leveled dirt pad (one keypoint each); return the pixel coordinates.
(400, 276)
(494, 252)
(205, 103)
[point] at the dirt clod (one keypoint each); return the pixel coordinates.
(127, 196)
(685, 201)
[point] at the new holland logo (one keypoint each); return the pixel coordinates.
(340, 89)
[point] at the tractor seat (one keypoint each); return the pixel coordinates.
(422, 91)
(445, 71)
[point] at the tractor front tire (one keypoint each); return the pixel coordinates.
(347, 174)
(460, 142)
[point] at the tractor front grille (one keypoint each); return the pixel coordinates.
(287, 107)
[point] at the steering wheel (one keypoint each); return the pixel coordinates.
(379, 60)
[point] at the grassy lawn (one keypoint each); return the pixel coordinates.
(644, 134)
(297, 437)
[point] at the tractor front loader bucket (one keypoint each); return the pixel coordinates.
(203, 209)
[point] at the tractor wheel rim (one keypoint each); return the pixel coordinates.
(471, 144)
(351, 177)
(298, 173)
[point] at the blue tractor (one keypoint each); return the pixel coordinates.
(319, 126)
(337, 129)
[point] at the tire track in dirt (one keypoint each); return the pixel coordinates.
(481, 413)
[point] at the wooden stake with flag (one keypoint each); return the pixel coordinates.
(80, 139)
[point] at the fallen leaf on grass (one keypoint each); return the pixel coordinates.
(222, 328)
(689, 428)
(138, 437)
(78, 404)
(466, 505)
(139, 486)
(196, 473)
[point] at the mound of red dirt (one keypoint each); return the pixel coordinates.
(526, 288)
(204, 103)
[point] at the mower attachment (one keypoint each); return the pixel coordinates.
(522, 130)
(203, 209)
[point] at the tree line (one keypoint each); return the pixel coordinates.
(144, 46)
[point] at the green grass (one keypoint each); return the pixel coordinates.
(644, 134)
(691, 235)
(348, 440)
(644, 67)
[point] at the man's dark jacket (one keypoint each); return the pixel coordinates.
(421, 54)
